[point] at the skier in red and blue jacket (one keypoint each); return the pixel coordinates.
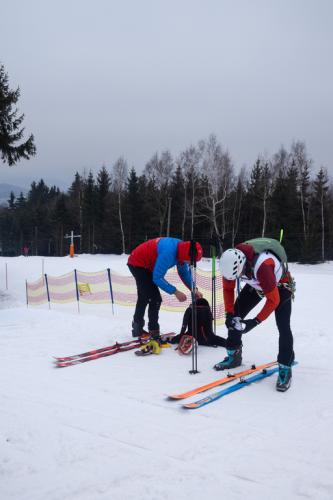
(149, 263)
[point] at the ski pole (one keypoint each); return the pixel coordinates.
(213, 254)
(193, 254)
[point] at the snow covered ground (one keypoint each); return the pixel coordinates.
(104, 429)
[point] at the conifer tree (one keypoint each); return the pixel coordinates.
(89, 214)
(319, 214)
(103, 235)
(133, 210)
(11, 131)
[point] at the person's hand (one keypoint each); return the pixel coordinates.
(198, 295)
(249, 324)
(180, 296)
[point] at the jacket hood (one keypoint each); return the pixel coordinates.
(184, 248)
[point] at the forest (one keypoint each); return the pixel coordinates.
(197, 194)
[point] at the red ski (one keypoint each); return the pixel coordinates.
(102, 352)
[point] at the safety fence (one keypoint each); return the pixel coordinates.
(106, 286)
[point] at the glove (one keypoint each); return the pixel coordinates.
(250, 324)
(234, 322)
(229, 321)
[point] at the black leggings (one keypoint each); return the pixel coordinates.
(148, 294)
(246, 301)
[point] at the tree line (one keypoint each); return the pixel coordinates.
(197, 194)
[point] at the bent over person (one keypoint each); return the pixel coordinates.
(149, 263)
(261, 264)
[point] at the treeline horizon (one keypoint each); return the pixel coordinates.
(195, 195)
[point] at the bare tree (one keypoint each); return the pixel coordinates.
(267, 186)
(237, 207)
(119, 181)
(320, 191)
(217, 170)
(189, 162)
(300, 160)
(280, 162)
(159, 170)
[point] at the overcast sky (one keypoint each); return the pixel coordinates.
(101, 79)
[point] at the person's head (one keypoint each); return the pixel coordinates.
(232, 263)
(184, 251)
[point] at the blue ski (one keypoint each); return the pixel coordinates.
(240, 385)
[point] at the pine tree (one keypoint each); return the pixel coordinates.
(75, 204)
(11, 132)
(319, 215)
(133, 211)
(89, 214)
(61, 224)
(102, 235)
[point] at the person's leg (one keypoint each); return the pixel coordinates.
(214, 341)
(245, 302)
(144, 282)
(282, 317)
(154, 305)
(286, 352)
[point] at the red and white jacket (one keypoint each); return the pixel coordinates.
(262, 272)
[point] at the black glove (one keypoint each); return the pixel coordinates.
(249, 324)
(229, 321)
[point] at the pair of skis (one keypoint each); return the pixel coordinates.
(84, 357)
(258, 373)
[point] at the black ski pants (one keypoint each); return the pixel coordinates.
(148, 294)
(246, 301)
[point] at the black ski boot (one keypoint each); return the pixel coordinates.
(137, 329)
(155, 335)
(233, 360)
(284, 379)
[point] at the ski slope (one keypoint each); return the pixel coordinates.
(104, 430)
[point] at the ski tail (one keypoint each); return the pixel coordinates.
(96, 351)
(216, 383)
(119, 348)
(240, 385)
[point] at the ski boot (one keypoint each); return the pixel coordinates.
(137, 329)
(155, 334)
(233, 360)
(284, 379)
(150, 347)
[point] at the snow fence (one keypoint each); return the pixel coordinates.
(106, 286)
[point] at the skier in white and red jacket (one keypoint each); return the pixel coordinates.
(265, 276)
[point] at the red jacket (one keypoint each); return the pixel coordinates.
(144, 255)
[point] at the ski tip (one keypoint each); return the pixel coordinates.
(190, 406)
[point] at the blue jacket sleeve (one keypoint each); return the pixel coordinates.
(166, 258)
(185, 274)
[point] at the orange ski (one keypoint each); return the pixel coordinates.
(229, 378)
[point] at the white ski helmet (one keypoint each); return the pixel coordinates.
(232, 263)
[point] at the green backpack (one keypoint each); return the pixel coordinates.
(274, 246)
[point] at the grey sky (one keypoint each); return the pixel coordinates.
(101, 79)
